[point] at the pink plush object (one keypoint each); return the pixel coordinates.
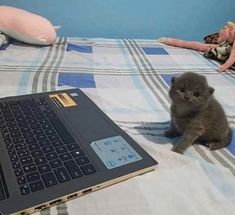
(26, 27)
(227, 33)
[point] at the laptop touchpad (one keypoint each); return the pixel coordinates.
(90, 125)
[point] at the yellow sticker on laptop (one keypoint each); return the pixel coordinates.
(63, 100)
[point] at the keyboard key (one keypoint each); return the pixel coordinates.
(34, 176)
(61, 149)
(35, 186)
(35, 126)
(43, 101)
(4, 130)
(21, 122)
(23, 153)
(21, 180)
(32, 120)
(51, 156)
(9, 145)
(37, 153)
(24, 128)
(31, 102)
(44, 168)
(49, 179)
(44, 142)
(41, 137)
(73, 146)
(43, 121)
(20, 146)
(65, 156)
(88, 169)
(17, 113)
(47, 149)
(7, 140)
(9, 118)
(15, 134)
(40, 160)
(38, 131)
(18, 140)
(27, 134)
(77, 153)
(54, 137)
(6, 135)
(13, 128)
(2, 123)
(62, 175)
(29, 168)
(55, 163)
(62, 130)
(30, 116)
(11, 151)
(39, 115)
(27, 111)
(82, 160)
(3, 105)
(25, 190)
(13, 103)
(26, 161)
(50, 114)
(57, 143)
(13, 123)
(34, 146)
(46, 126)
(73, 169)
(14, 158)
(50, 132)
(19, 172)
(16, 165)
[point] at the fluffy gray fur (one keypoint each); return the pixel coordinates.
(196, 115)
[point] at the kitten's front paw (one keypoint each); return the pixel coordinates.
(171, 133)
(176, 148)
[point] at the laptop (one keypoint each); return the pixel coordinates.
(57, 146)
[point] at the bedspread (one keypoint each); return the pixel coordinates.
(129, 80)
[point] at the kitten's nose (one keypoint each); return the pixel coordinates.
(187, 96)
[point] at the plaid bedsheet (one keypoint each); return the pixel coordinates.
(129, 80)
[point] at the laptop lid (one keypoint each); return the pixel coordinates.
(71, 148)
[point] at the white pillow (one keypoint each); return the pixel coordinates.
(26, 27)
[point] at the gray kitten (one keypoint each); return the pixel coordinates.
(196, 115)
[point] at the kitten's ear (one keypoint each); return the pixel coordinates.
(173, 79)
(211, 90)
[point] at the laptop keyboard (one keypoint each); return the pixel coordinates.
(42, 151)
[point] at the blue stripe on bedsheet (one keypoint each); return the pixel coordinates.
(23, 83)
(217, 179)
(80, 80)
(137, 81)
(25, 79)
(231, 146)
(155, 51)
(79, 48)
(167, 78)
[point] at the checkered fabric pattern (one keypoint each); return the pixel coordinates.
(129, 80)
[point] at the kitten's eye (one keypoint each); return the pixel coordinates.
(182, 90)
(196, 94)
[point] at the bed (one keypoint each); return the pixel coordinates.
(129, 80)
